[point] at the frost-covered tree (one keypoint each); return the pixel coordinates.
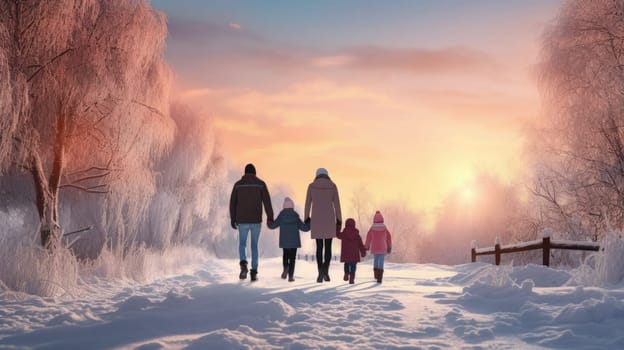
(581, 171)
(188, 181)
(84, 102)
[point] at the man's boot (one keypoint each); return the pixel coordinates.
(326, 272)
(253, 273)
(243, 269)
(351, 277)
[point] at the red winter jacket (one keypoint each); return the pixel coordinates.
(352, 246)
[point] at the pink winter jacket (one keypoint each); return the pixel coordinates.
(378, 239)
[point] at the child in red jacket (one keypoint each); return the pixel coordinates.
(379, 241)
(352, 248)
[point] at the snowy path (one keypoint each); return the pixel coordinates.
(418, 306)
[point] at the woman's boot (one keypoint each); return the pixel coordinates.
(326, 272)
(285, 272)
(319, 279)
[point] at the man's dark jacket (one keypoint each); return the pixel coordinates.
(248, 195)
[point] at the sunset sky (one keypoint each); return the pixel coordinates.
(411, 99)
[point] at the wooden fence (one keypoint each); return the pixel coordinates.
(545, 244)
(312, 257)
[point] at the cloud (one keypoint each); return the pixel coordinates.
(367, 131)
(192, 31)
(332, 61)
(422, 61)
(412, 60)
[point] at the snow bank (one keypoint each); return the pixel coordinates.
(471, 306)
(604, 268)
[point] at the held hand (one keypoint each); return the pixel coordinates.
(307, 221)
(270, 221)
(389, 250)
(337, 229)
(233, 224)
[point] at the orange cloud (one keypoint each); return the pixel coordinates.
(413, 148)
(413, 60)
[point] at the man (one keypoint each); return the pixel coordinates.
(248, 196)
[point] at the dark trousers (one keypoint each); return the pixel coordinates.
(319, 252)
(350, 267)
(288, 259)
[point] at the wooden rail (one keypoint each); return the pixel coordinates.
(545, 244)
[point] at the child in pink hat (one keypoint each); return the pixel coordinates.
(379, 241)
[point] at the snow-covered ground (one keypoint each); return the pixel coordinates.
(473, 306)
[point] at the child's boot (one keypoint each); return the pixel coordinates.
(380, 275)
(351, 277)
(346, 276)
(376, 273)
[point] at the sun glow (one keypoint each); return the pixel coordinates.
(468, 194)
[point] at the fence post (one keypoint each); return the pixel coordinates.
(546, 247)
(473, 251)
(497, 251)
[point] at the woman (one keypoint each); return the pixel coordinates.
(326, 219)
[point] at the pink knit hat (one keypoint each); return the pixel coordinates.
(378, 218)
(288, 203)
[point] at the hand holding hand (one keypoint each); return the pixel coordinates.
(389, 250)
(233, 224)
(307, 221)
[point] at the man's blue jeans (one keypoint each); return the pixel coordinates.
(243, 231)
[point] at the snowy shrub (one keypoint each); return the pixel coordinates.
(604, 268)
(27, 267)
(143, 264)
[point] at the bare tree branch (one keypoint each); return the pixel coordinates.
(87, 189)
(49, 62)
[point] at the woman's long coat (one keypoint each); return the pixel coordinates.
(322, 206)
